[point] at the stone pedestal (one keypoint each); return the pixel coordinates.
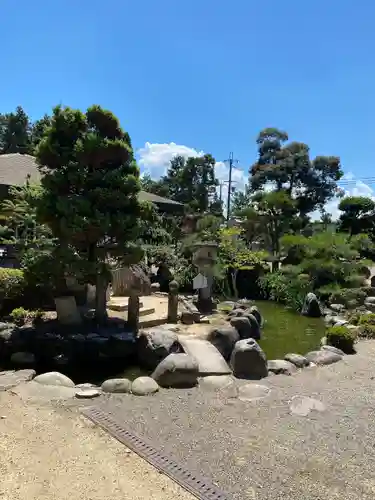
(67, 311)
(173, 302)
(204, 258)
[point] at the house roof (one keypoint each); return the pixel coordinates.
(15, 167)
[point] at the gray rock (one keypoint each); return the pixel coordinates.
(156, 344)
(86, 385)
(340, 321)
(255, 327)
(323, 357)
(224, 339)
(311, 307)
(330, 320)
(334, 349)
(54, 378)
(337, 307)
(323, 341)
(187, 318)
(143, 386)
(87, 393)
(22, 358)
(210, 361)
(117, 385)
(252, 392)
(255, 312)
(177, 370)
(370, 300)
(11, 378)
(297, 360)
(236, 313)
(216, 382)
(248, 360)
(246, 327)
(281, 366)
(35, 393)
(369, 304)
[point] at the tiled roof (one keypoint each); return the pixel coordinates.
(14, 169)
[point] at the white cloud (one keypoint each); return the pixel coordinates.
(154, 159)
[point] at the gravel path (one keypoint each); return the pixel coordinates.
(56, 455)
(262, 450)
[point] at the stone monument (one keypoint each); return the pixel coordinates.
(204, 258)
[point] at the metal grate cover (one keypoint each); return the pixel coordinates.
(195, 484)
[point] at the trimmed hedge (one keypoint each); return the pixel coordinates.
(341, 337)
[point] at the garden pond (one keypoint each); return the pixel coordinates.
(286, 331)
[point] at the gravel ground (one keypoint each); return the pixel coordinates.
(262, 450)
(54, 454)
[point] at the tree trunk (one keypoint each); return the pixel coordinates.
(234, 283)
(101, 298)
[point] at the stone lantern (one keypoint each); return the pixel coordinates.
(204, 258)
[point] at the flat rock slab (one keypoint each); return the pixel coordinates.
(302, 406)
(11, 378)
(332, 348)
(252, 392)
(217, 382)
(323, 357)
(297, 359)
(88, 393)
(210, 361)
(35, 392)
(117, 385)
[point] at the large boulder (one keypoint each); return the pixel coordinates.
(323, 357)
(224, 339)
(54, 378)
(311, 306)
(210, 361)
(156, 344)
(246, 326)
(248, 360)
(237, 312)
(255, 312)
(177, 370)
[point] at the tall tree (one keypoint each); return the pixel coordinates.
(15, 132)
(358, 215)
(38, 130)
(287, 166)
(193, 182)
(90, 196)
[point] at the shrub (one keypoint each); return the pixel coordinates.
(349, 297)
(366, 325)
(12, 283)
(287, 289)
(19, 315)
(341, 337)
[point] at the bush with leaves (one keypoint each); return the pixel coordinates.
(286, 289)
(341, 337)
(366, 326)
(12, 284)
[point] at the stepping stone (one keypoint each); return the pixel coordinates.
(297, 360)
(117, 385)
(252, 392)
(210, 361)
(302, 406)
(217, 382)
(88, 394)
(323, 357)
(280, 366)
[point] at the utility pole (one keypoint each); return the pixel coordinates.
(231, 161)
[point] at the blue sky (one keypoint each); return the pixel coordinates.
(201, 75)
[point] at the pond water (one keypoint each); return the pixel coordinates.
(285, 331)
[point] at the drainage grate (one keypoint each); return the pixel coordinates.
(195, 484)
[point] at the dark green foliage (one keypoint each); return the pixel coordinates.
(90, 191)
(286, 289)
(288, 167)
(15, 132)
(341, 337)
(12, 283)
(366, 326)
(358, 215)
(349, 297)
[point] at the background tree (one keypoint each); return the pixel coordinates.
(15, 130)
(90, 191)
(358, 215)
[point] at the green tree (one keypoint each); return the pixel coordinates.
(38, 130)
(15, 132)
(287, 167)
(358, 215)
(90, 191)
